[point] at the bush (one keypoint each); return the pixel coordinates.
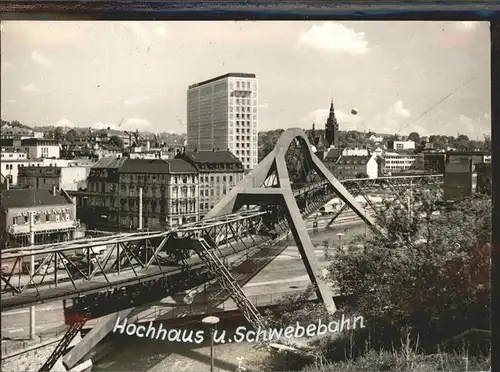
(429, 275)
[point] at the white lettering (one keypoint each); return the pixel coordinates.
(322, 329)
(301, 329)
(163, 335)
(289, 331)
(239, 335)
(140, 331)
(152, 330)
(333, 323)
(187, 339)
(311, 328)
(174, 335)
(261, 333)
(199, 337)
(220, 339)
(130, 330)
(362, 325)
(275, 334)
(344, 322)
(120, 327)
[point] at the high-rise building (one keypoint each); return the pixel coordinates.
(222, 114)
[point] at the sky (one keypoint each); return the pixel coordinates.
(429, 77)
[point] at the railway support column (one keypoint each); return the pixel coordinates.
(96, 334)
(32, 272)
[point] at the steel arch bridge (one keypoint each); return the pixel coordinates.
(140, 268)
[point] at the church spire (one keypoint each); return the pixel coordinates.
(331, 127)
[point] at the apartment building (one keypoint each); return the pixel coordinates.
(49, 214)
(400, 145)
(167, 191)
(350, 167)
(396, 162)
(9, 132)
(222, 113)
(70, 178)
(219, 172)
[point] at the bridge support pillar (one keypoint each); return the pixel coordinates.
(306, 249)
(91, 339)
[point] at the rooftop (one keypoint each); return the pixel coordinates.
(231, 74)
(158, 166)
(333, 154)
(110, 162)
(25, 198)
(360, 160)
(212, 157)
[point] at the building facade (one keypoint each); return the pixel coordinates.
(54, 217)
(222, 113)
(350, 167)
(9, 132)
(219, 172)
(434, 162)
(400, 145)
(71, 178)
(167, 190)
(37, 148)
(396, 162)
(169, 193)
(460, 180)
(98, 206)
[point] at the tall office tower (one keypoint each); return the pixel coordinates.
(222, 114)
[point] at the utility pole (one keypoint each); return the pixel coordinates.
(140, 208)
(32, 272)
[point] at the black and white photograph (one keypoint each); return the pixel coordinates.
(309, 195)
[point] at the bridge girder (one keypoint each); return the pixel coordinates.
(220, 225)
(252, 190)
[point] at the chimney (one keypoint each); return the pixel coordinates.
(54, 190)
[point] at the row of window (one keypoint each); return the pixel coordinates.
(217, 179)
(241, 84)
(212, 192)
(160, 177)
(24, 220)
(241, 116)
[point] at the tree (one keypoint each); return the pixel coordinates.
(414, 136)
(58, 133)
(116, 141)
(70, 135)
(487, 143)
(362, 175)
(267, 141)
(429, 272)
